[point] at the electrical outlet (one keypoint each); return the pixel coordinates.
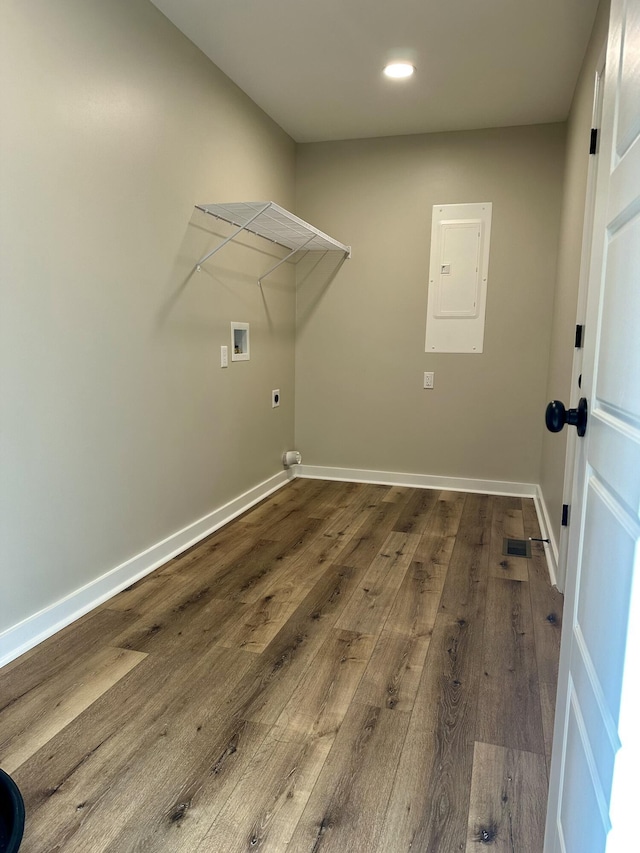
(428, 380)
(275, 398)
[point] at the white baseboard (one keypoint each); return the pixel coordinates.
(546, 531)
(454, 484)
(417, 481)
(33, 630)
(38, 627)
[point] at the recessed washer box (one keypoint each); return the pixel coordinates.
(240, 349)
(458, 277)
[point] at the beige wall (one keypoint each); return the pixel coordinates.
(118, 425)
(360, 340)
(568, 275)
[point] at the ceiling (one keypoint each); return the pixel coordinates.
(315, 66)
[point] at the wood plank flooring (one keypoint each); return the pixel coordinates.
(344, 669)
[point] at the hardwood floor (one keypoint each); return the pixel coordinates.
(344, 669)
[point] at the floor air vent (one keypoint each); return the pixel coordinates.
(516, 548)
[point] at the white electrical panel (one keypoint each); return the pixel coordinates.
(458, 276)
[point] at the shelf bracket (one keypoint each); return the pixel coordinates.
(290, 255)
(232, 237)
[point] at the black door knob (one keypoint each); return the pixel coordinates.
(557, 416)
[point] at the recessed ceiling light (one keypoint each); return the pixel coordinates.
(398, 70)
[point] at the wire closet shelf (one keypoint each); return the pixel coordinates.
(268, 220)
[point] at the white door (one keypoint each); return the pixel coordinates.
(576, 373)
(598, 683)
